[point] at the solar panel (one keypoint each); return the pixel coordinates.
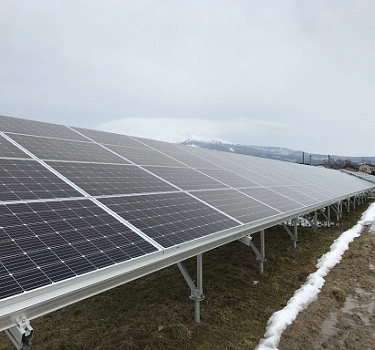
(28, 179)
(273, 199)
(229, 178)
(158, 145)
(249, 172)
(237, 205)
(53, 149)
(192, 160)
(298, 196)
(108, 138)
(145, 156)
(8, 150)
(36, 128)
(42, 243)
(362, 175)
(109, 179)
(170, 219)
(132, 199)
(186, 178)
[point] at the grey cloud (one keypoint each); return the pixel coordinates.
(293, 73)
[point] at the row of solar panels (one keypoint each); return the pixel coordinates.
(74, 201)
(362, 175)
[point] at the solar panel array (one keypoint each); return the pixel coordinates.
(74, 201)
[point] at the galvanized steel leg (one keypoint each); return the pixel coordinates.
(329, 215)
(260, 255)
(293, 236)
(262, 252)
(295, 233)
(196, 290)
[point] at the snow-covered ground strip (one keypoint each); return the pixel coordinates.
(281, 319)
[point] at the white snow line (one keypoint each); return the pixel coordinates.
(301, 299)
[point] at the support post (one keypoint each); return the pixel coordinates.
(329, 215)
(196, 290)
(262, 252)
(325, 216)
(21, 335)
(260, 255)
(293, 236)
(315, 219)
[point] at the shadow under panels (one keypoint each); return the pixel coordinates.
(54, 149)
(42, 243)
(273, 199)
(237, 205)
(171, 218)
(186, 178)
(8, 150)
(23, 179)
(145, 156)
(108, 138)
(107, 179)
(36, 128)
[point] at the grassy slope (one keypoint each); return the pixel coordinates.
(154, 312)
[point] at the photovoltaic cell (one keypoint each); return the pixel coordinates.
(296, 195)
(158, 145)
(237, 205)
(108, 179)
(51, 149)
(229, 178)
(28, 179)
(108, 138)
(41, 243)
(145, 156)
(192, 160)
(170, 219)
(36, 128)
(57, 235)
(8, 150)
(273, 199)
(186, 178)
(265, 179)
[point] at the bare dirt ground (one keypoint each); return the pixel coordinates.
(343, 316)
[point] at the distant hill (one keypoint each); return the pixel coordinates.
(280, 153)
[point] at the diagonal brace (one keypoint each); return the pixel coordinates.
(293, 235)
(260, 255)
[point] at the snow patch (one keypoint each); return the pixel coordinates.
(281, 319)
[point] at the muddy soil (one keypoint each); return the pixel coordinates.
(343, 316)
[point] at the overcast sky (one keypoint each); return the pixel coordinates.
(291, 73)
